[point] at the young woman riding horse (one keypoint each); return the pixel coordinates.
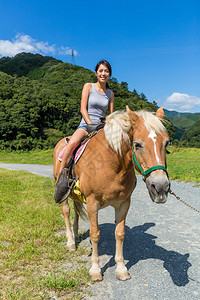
(107, 177)
(96, 98)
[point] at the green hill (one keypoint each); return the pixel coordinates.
(172, 115)
(40, 100)
(24, 63)
(191, 137)
(181, 121)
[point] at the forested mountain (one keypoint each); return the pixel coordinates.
(181, 121)
(40, 100)
(24, 63)
(191, 137)
(173, 115)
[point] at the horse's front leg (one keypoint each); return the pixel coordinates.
(95, 271)
(70, 238)
(120, 217)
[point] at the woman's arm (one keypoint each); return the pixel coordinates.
(84, 102)
(111, 103)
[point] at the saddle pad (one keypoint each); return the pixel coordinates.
(80, 151)
(61, 154)
(78, 154)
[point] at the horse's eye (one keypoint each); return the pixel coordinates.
(138, 146)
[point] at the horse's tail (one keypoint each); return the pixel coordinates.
(80, 209)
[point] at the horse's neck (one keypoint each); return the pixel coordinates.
(120, 161)
(99, 158)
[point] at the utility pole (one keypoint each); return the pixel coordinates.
(73, 58)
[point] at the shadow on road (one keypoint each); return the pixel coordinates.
(139, 245)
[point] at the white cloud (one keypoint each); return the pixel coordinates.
(67, 51)
(25, 43)
(182, 102)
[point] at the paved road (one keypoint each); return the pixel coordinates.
(161, 249)
(42, 170)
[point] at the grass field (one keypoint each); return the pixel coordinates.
(184, 164)
(34, 262)
(44, 157)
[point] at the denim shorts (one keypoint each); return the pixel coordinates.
(83, 127)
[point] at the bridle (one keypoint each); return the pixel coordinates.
(148, 171)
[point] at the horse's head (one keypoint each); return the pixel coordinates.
(149, 151)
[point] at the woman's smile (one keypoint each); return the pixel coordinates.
(103, 73)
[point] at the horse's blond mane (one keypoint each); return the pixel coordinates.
(117, 127)
(118, 124)
(151, 122)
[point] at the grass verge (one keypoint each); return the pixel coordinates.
(184, 164)
(34, 262)
(44, 157)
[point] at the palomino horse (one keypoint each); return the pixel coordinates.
(107, 177)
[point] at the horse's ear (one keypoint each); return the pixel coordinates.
(160, 113)
(132, 115)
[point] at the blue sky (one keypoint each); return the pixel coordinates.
(152, 45)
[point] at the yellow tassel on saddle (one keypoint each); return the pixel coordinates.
(78, 193)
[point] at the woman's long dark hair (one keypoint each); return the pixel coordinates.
(104, 63)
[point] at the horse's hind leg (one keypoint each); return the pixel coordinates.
(75, 225)
(66, 214)
(95, 271)
(120, 216)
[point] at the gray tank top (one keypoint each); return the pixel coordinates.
(97, 105)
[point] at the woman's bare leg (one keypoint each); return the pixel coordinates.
(75, 140)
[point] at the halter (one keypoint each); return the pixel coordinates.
(148, 171)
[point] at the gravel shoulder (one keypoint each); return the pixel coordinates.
(161, 248)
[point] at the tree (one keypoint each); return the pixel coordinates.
(191, 137)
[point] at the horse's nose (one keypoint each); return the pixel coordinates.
(160, 191)
(161, 186)
(158, 187)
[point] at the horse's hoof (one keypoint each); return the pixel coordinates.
(96, 276)
(123, 276)
(71, 247)
(95, 272)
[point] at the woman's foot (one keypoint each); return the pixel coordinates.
(62, 190)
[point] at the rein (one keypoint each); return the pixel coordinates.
(188, 205)
(148, 171)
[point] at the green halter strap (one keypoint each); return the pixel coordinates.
(144, 173)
